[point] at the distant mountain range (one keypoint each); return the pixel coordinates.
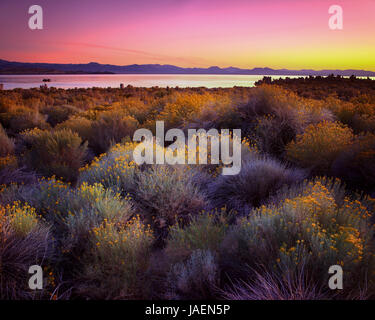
(8, 67)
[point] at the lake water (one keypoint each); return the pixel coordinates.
(137, 80)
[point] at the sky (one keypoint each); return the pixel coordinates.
(291, 34)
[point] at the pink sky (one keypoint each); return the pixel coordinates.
(191, 33)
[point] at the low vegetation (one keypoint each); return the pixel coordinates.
(102, 227)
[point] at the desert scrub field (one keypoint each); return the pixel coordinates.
(73, 200)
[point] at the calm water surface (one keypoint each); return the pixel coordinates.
(144, 80)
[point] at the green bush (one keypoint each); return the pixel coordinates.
(59, 153)
(71, 210)
(204, 232)
(166, 194)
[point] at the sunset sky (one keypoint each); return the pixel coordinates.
(290, 34)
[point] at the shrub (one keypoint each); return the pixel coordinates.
(218, 113)
(274, 116)
(269, 100)
(137, 109)
(59, 153)
(363, 123)
(22, 219)
(335, 186)
(355, 165)
(22, 119)
(86, 208)
(10, 174)
(58, 114)
(204, 232)
(310, 230)
(197, 278)
(24, 241)
(180, 107)
(80, 125)
(74, 211)
(8, 163)
(111, 128)
(320, 145)
(114, 268)
(115, 169)
(165, 194)
(272, 135)
(6, 144)
(357, 115)
(258, 179)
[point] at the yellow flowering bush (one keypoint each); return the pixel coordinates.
(115, 169)
(3, 220)
(319, 145)
(78, 124)
(89, 205)
(24, 241)
(181, 107)
(120, 255)
(312, 230)
(22, 218)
